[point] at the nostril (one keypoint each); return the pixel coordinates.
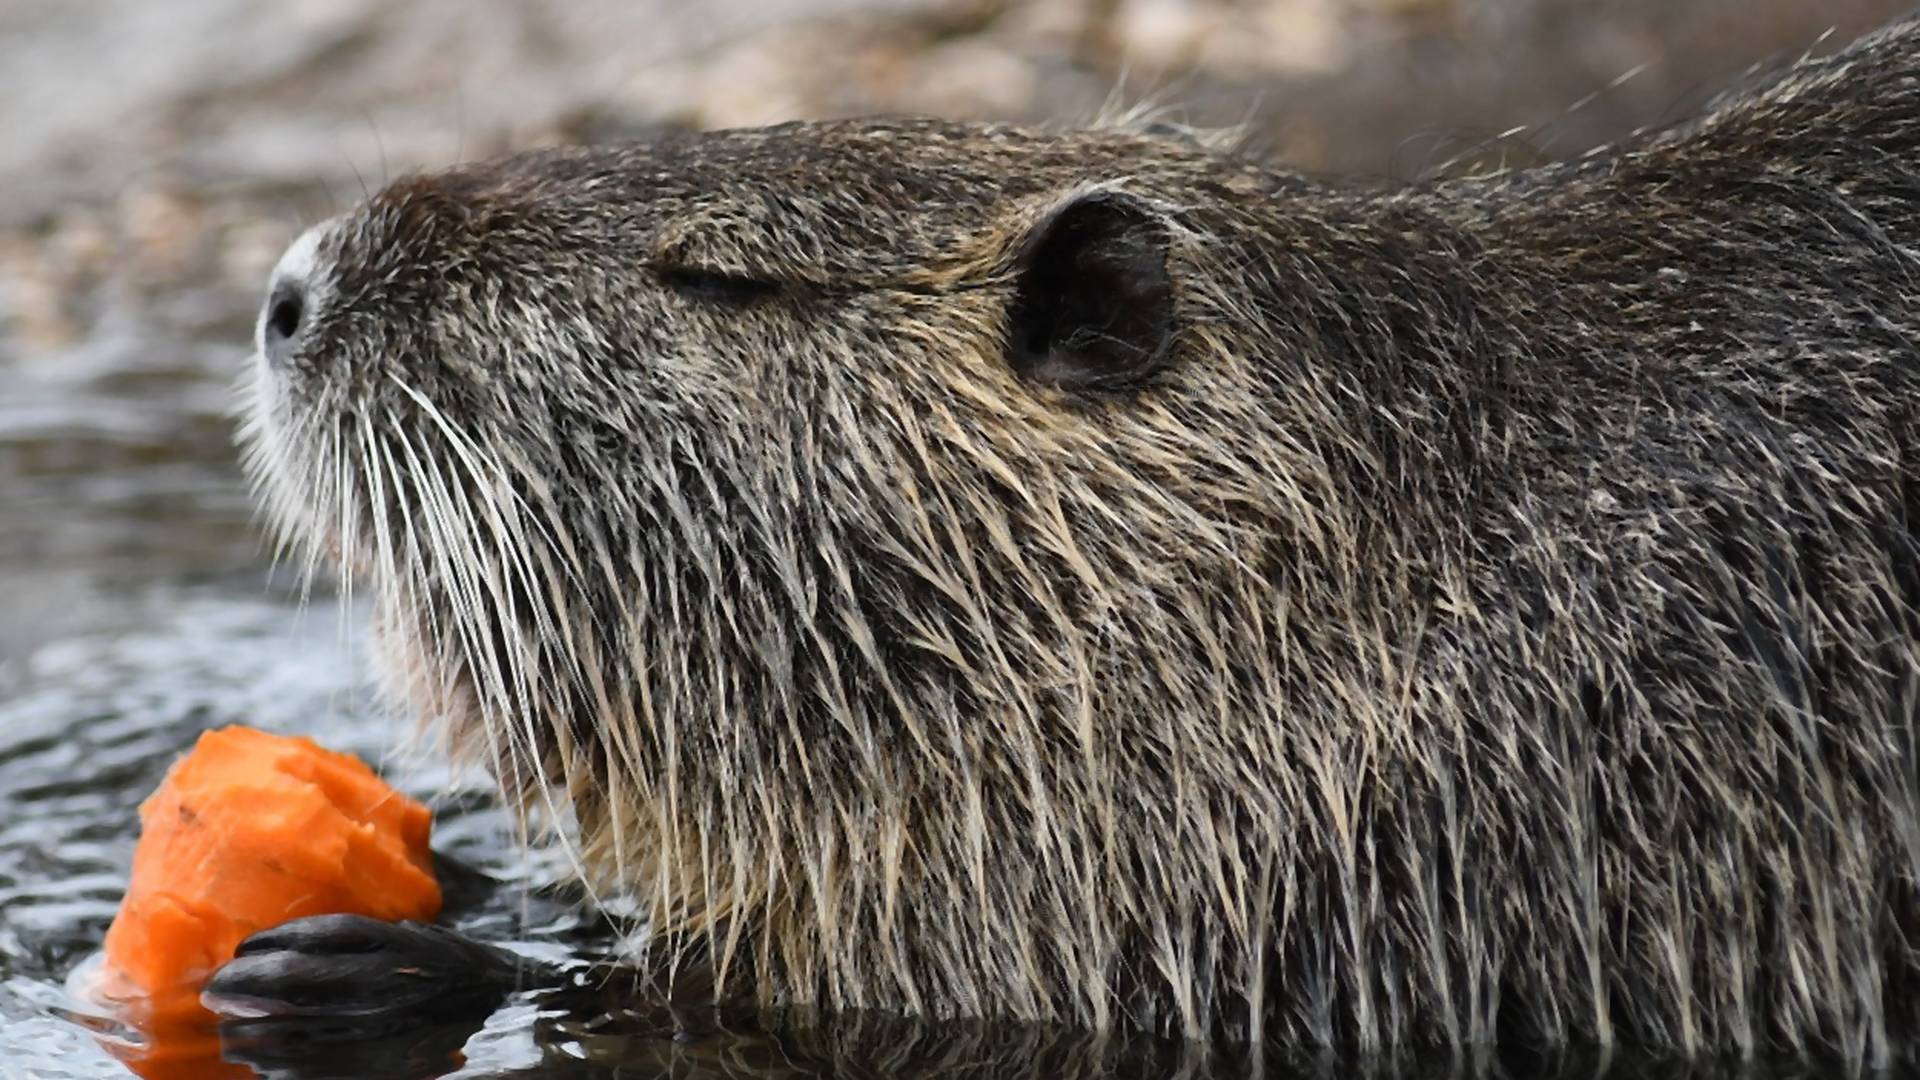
(286, 310)
(284, 319)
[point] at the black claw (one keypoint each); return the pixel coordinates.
(327, 935)
(332, 967)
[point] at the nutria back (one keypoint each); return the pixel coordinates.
(1096, 578)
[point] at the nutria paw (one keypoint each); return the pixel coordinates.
(333, 967)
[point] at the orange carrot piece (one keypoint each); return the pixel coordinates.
(251, 830)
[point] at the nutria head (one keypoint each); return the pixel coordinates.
(1089, 577)
(808, 502)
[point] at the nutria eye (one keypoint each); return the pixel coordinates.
(717, 286)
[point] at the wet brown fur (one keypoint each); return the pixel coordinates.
(1495, 621)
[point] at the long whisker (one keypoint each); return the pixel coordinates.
(520, 691)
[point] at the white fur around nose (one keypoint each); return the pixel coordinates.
(297, 263)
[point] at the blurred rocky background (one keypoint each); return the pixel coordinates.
(155, 156)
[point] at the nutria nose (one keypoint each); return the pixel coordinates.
(288, 317)
(283, 321)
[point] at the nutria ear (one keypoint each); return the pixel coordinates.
(1093, 305)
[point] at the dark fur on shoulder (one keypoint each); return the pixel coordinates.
(1090, 578)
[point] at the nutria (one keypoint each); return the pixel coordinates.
(1093, 577)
